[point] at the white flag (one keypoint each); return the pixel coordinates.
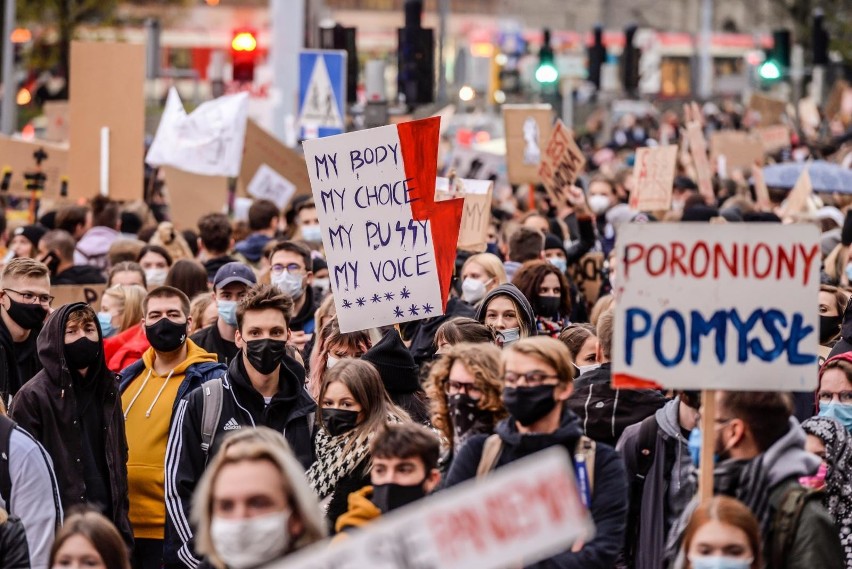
(208, 141)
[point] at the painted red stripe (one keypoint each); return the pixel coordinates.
(627, 381)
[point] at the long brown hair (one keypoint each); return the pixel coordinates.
(99, 532)
(730, 512)
(529, 277)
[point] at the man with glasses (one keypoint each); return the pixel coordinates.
(290, 268)
(24, 304)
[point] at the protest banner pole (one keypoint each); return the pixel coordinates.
(104, 171)
(708, 422)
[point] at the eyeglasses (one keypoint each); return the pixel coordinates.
(531, 379)
(456, 387)
(32, 298)
(826, 397)
(292, 268)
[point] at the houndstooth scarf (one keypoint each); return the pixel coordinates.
(336, 458)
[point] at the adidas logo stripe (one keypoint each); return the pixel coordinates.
(232, 425)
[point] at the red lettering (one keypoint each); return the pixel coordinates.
(767, 255)
(701, 245)
(786, 259)
(809, 258)
(678, 254)
(730, 263)
(628, 260)
(648, 260)
(746, 259)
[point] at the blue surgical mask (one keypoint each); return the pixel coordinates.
(509, 336)
(719, 562)
(227, 311)
(839, 411)
(559, 263)
(105, 320)
(289, 284)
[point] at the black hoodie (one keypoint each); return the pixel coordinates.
(18, 361)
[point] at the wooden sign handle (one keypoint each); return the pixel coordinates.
(708, 423)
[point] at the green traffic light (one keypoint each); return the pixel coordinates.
(769, 71)
(546, 73)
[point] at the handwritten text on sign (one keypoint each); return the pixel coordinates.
(476, 217)
(523, 512)
(654, 175)
(698, 308)
(562, 161)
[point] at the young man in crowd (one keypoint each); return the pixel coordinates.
(264, 387)
(75, 219)
(56, 250)
(151, 388)
(525, 244)
(291, 271)
(263, 223)
(24, 303)
(215, 239)
(307, 223)
(93, 247)
(230, 285)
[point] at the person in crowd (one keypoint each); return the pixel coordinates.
(127, 273)
(832, 305)
(173, 241)
(537, 376)
(582, 342)
(252, 505)
(834, 394)
(24, 303)
(75, 219)
(331, 347)
(538, 221)
(601, 199)
(14, 551)
(307, 223)
(832, 443)
(124, 251)
(660, 469)
(88, 539)
(188, 276)
(322, 280)
(230, 285)
(461, 329)
(354, 405)
(464, 389)
(761, 457)
(525, 244)
(290, 270)
(547, 290)
(204, 312)
(156, 262)
(93, 247)
(722, 532)
(264, 386)
(405, 469)
(121, 309)
(509, 313)
(56, 250)
(132, 220)
(25, 240)
(481, 273)
(263, 223)
(605, 411)
(215, 239)
(400, 375)
(73, 409)
(151, 388)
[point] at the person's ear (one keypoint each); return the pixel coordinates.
(739, 431)
(238, 339)
(309, 278)
(295, 526)
(432, 480)
(188, 324)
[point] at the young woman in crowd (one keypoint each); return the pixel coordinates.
(121, 308)
(547, 290)
(88, 539)
(832, 304)
(188, 276)
(722, 533)
(462, 329)
(330, 348)
(834, 394)
(464, 388)
(127, 273)
(582, 342)
(507, 310)
(353, 406)
(252, 505)
(203, 311)
(481, 274)
(156, 262)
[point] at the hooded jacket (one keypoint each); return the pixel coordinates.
(94, 246)
(252, 246)
(48, 409)
(126, 348)
(526, 313)
(291, 412)
(609, 496)
(361, 512)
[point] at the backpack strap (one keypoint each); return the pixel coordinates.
(584, 467)
(491, 451)
(214, 391)
(647, 445)
(786, 522)
(6, 427)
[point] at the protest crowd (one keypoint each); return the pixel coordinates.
(230, 399)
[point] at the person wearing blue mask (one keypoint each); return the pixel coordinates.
(230, 285)
(722, 534)
(834, 396)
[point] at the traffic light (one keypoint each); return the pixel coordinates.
(340, 37)
(819, 38)
(243, 54)
(546, 72)
(597, 56)
(416, 58)
(778, 58)
(630, 61)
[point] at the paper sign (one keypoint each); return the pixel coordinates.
(262, 148)
(653, 172)
(528, 129)
(270, 185)
(740, 149)
(524, 512)
(770, 109)
(193, 195)
(562, 161)
(773, 138)
(66, 294)
(17, 156)
(390, 246)
(700, 308)
(208, 141)
(797, 200)
(476, 217)
(56, 113)
(698, 150)
(588, 277)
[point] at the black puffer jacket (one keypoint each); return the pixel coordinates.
(14, 553)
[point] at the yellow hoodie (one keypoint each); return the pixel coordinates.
(360, 513)
(148, 402)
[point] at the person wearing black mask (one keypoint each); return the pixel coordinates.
(72, 408)
(537, 373)
(263, 387)
(832, 304)
(405, 469)
(24, 303)
(548, 291)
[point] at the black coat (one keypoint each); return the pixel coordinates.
(18, 361)
(79, 275)
(14, 552)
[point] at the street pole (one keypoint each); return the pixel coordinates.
(287, 40)
(443, 14)
(705, 59)
(9, 110)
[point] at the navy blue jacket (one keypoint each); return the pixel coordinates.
(195, 375)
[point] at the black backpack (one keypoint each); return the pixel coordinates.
(6, 427)
(646, 447)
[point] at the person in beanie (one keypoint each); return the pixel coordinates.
(25, 240)
(400, 375)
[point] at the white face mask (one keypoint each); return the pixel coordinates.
(473, 290)
(156, 277)
(289, 284)
(331, 361)
(322, 284)
(584, 369)
(719, 562)
(509, 336)
(312, 233)
(598, 204)
(243, 544)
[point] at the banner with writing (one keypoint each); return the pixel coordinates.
(562, 161)
(476, 217)
(653, 174)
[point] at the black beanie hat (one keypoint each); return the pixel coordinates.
(32, 233)
(395, 364)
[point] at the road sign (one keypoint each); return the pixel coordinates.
(322, 92)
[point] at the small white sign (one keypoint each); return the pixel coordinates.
(269, 185)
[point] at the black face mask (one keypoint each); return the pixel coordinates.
(166, 336)
(339, 421)
(27, 316)
(529, 404)
(829, 326)
(82, 353)
(547, 306)
(389, 497)
(465, 415)
(265, 355)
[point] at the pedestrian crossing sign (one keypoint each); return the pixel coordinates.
(322, 92)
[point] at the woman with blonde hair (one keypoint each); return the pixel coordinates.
(480, 274)
(252, 505)
(121, 308)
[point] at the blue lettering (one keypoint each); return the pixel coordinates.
(632, 333)
(675, 317)
(797, 334)
(701, 327)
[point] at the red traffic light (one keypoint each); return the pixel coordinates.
(244, 41)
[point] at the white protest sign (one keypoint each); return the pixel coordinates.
(390, 246)
(521, 513)
(702, 308)
(270, 185)
(208, 141)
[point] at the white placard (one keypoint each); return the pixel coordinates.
(704, 306)
(524, 512)
(269, 185)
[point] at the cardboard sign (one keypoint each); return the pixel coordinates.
(653, 172)
(66, 294)
(588, 277)
(740, 149)
(700, 308)
(698, 150)
(476, 217)
(773, 138)
(17, 156)
(528, 130)
(107, 90)
(834, 103)
(193, 195)
(797, 200)
(524, 512)
(562, 161)
(57, 115)
(390, 246)
(770, 109)
(262, 148)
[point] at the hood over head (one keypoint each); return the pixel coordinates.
(526, 315)
(51, 346)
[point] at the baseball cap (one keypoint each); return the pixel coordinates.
(234, 273)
